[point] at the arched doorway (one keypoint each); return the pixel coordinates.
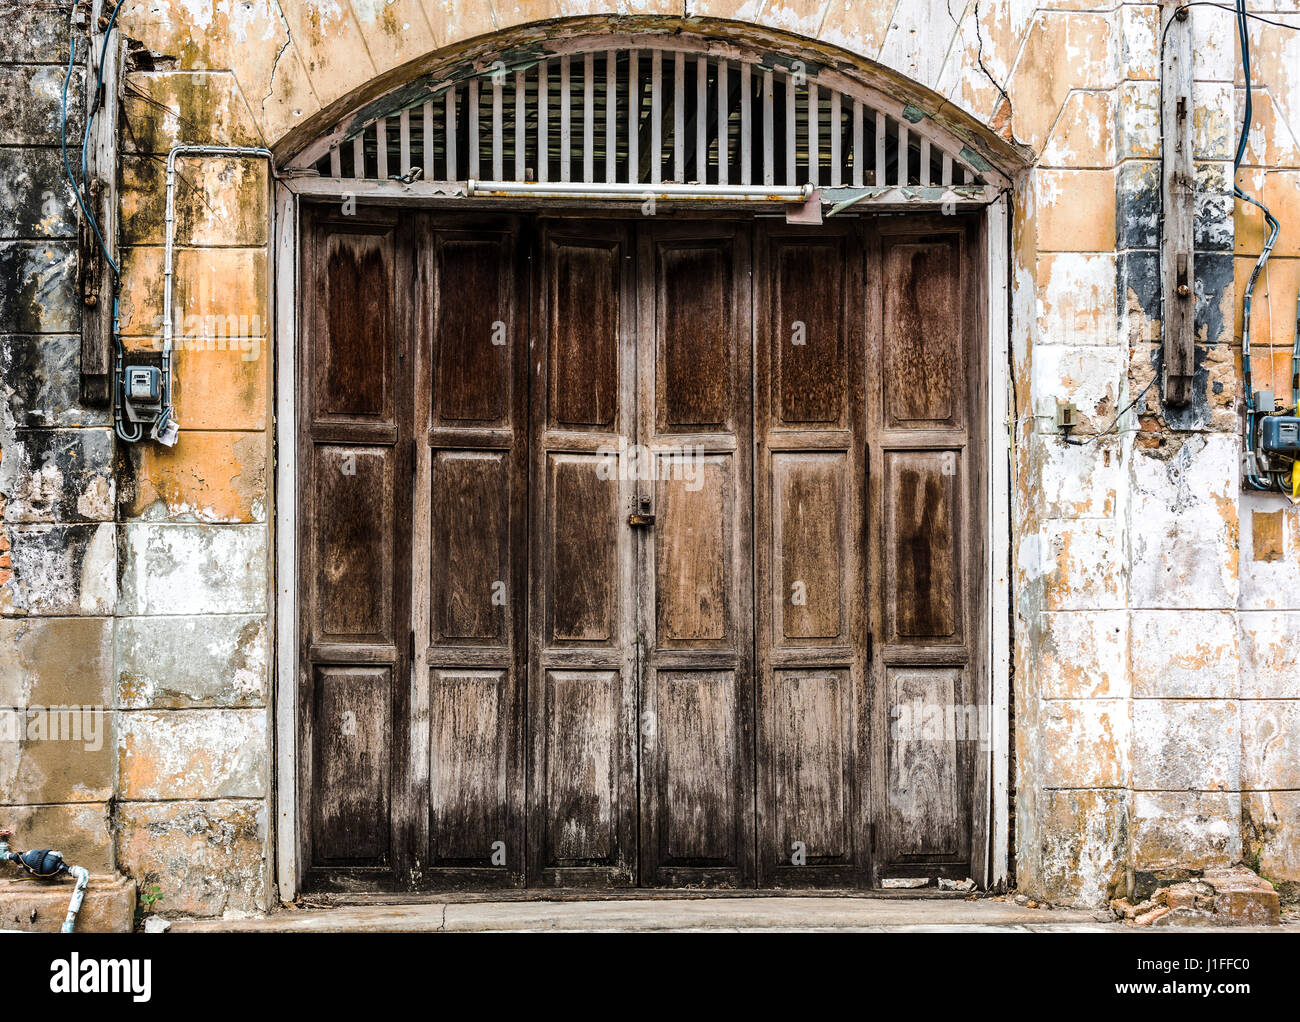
(642, 534)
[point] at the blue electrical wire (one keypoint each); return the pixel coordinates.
(1253, 480)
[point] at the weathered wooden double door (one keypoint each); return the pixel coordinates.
(627, 545)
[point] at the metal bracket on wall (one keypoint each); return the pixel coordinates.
(1178, 206)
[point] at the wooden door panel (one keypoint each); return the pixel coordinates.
(698, 360)
(582, 538)
(805, 334)
(701, 789)
(355, 544)
(928, 798)
(473, 357)
(351, 716)
(812, 746)
(923, 510)
(585, 278)
(353, 552)
(695, 576)
(924, 359)
(696, 513)
(812, 611)
(353, 378)
(929, 771)
(582, 767)
(582, 640)
(471, 499)
(470, 728)
(811, 513)
(471, 483)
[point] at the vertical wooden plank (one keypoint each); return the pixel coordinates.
(473, 128)
(1178, 188)
(404, 142)
(359, 155)
(427, 117)
(498, 129)
(96, 283)
(336, 163)
(381, 147)
(925, 162)
(611, 115)
(633, 117)
(679, 117)
(837, 169)
(881, 123)
(769, 116)
(656, 116)
(543, 125)
(521, 126)
(859, 145)
(701, 119)
(589, 119)
(814, 134)
(449, 135)
(746, 126)
(566, 120)
(791, 125)
(903, 154)
(724, 124)
(946, 179)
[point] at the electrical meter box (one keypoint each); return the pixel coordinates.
(1280, 434)
(142, 393)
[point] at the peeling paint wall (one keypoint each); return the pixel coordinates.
(1157, 610)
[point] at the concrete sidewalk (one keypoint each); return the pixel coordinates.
(864, 914)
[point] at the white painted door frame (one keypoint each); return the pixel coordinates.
(285, 248)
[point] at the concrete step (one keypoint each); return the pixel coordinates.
(38, 906)
(761, 913)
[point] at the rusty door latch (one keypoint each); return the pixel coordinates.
(642, 519)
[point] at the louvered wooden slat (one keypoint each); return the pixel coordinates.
(566, 121)
(837, 168)
(656, 116)
(679, 118)
(472, 121)
(521, 126)
(826, 137)
(859, 144)
(498, 130)
(634, 115)
(769, 120)
(449, 136)
(724, 124)
(404, 142)
(543, 122)
(746, 126)
(814, 135)
(611, 115)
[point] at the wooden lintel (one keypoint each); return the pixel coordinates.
(1178, 199)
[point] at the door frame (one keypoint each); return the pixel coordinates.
(285, 246)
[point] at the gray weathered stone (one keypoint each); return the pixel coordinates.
(192, 661)
(61, 569)
(58, 476)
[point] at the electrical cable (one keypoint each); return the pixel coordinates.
(1113, 422)
(1252, 479)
